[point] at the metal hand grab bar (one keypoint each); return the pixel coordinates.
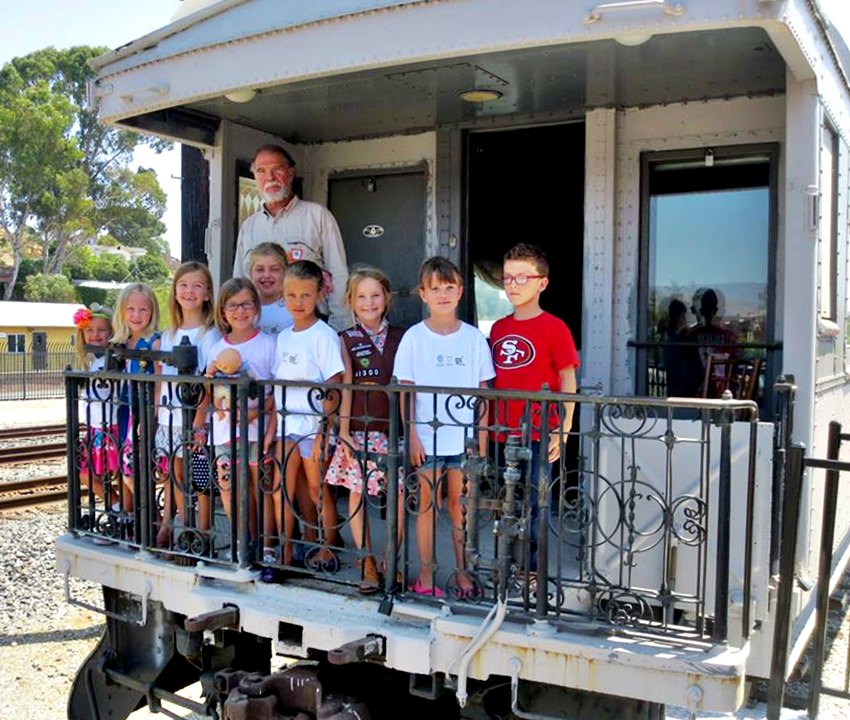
(141, 621)
(672, 9)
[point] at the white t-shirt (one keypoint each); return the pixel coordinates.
(97, 409)
(258, 360)
(275, 318)
(314, 355)
(169, 399)
(461, 359)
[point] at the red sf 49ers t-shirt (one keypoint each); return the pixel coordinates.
(528, 354)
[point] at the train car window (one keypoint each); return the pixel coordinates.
(706, 261)
(828, 225)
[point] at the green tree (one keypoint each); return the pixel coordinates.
(130, 208)
(111, 267)
(80, 264)
(49, 288)
(38, 160)
(28, 267)
(150, 268)
(61, 172)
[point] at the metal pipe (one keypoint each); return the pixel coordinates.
(484, 633)
(515, 665)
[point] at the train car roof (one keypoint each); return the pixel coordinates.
(343, 69)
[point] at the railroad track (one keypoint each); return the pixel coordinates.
(27, 432)
(12, 455)
(37, 491)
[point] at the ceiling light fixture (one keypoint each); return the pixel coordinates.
(480, 96)
(632, 39)
(242, 96)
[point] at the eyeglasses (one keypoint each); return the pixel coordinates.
(233, 307)
(519, 280)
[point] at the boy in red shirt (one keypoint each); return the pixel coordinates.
(532, 348)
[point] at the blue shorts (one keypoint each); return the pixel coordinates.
(442, 462)
(305, 444)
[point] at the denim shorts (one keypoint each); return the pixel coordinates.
(223, 454)
(305, 444)
(442, 462)
(169, 440)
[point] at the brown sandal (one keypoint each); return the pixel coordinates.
(371, 581)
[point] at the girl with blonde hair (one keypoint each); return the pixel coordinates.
(134, 323)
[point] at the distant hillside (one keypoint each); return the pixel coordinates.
(736, 299)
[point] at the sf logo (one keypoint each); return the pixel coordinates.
(512, 351)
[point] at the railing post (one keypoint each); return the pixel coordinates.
(72, 430)
(393, 519)
(784, 393)
(830, 505)
(542, 511)
(724, 509)
(144, 487)
(787, 558)
(239, 485)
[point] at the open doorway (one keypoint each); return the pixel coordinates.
(526, 185)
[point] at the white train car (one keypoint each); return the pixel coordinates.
(656, 151)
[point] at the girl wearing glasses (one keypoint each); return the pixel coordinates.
(236, 314)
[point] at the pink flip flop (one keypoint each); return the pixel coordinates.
(432, 591)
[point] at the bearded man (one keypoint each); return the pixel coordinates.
(305, 230)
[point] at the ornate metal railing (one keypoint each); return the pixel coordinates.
(643, 521)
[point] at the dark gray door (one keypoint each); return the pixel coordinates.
(39, 351)
(382, 219)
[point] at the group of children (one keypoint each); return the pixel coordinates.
(268, 327)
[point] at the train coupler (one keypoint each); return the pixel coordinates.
(371, 647)
(290, 694)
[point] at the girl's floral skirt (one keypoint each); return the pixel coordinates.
(348, 469)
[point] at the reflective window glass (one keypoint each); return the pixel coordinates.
(707, 244)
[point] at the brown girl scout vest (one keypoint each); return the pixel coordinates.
(370, 367)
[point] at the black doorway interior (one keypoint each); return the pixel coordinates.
(526, 185)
